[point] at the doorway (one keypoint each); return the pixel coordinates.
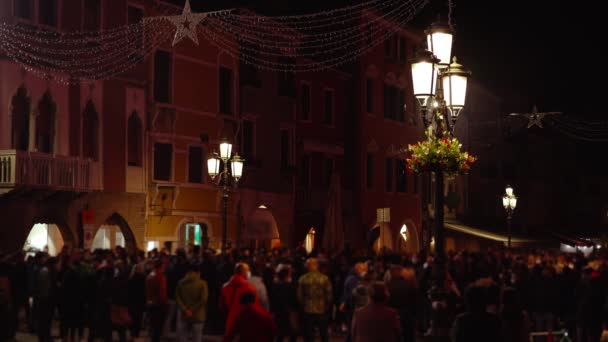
(44, 237)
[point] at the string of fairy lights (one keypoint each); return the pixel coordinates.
(293, 43)
(586, 130)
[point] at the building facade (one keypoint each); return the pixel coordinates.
(386, 123)
(123, 161)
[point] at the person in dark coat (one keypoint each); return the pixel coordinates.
(591, 296)
(72, 300)
(405, 298)
(44, 297)
(120, 298)
(137, 298)
(515, 321)
(6, 300)
(283, 304)
(376, 321)
(545, 298)
(475, 324)
(102, 322)
(20, 289)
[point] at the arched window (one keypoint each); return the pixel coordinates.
(134, 140)
(90, 132)
(20, 113)
(45, 124)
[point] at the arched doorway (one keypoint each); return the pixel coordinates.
(47, 235)
(108, 237)
(44, 237)
(114, 232)
(261, 229)
(409, 242)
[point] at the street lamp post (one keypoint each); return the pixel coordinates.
(227, 179)
(509, 202)
(440, 88)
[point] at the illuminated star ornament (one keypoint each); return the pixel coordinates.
(535, 118)
(186, 23)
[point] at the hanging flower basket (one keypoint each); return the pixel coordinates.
(439, 154)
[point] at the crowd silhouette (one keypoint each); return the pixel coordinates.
(282, 294)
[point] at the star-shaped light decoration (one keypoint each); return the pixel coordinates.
(186, 23)
(535, 118)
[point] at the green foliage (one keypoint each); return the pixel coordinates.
(439, 154)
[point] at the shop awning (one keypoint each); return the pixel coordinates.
(459, 227)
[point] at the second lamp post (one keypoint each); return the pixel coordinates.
(227, 179)
(509, 202)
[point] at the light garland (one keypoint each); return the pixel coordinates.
(308, 42)
(323, 39)
(353, 49)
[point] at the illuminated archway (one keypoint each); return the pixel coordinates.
(44, 237)
(261, 229)
(114, 232)
(412, 242)
(108, 237)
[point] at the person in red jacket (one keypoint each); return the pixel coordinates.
(233, 290)
(156, 298)
(252, 322)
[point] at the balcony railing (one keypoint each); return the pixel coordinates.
(41, 170)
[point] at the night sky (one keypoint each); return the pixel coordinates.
(527, 52)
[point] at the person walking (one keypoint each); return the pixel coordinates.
(314, 294)
(191, 295)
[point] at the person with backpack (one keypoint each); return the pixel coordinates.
(232, 291)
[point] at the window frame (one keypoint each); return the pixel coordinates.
(172, 167)
(333, 107)
(231, 100)
(203, 164)
(301, 102)
(170, 78)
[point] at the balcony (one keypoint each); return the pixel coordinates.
(44, 171)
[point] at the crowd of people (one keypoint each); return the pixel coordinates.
(281, 294)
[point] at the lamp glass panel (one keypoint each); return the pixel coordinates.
(440, 44)
(213, 166)
(424, 75)
(225, 150)
(455, 90)
(237, 168)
